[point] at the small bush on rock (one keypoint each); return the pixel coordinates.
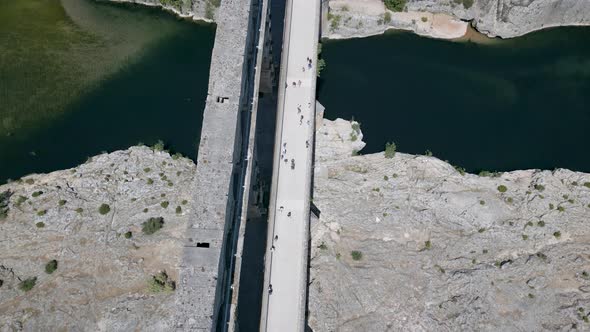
(395, 5)
(27, 284)
(152, 225)
(161, 283)
(356, 255)
(51, 266)
(4, 200)
(104, 209)
(390, 150)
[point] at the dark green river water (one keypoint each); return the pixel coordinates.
(512, 104)
(79, 77)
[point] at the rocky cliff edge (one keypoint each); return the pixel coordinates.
(410, 243)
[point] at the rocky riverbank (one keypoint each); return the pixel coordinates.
(198, 10)
(410, 243)
(100, 222)
(448, 18)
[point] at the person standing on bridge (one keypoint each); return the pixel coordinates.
(270, 289)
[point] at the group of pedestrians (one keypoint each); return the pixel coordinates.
(307, 67)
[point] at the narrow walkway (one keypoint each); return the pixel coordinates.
(284, 296)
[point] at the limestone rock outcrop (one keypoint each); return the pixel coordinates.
(410, 243)
(443, 18)
(203, 10)
(90, 219)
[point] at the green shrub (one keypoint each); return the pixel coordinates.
(40, 224)
(152, 225)
(29, 181)
(184, 201)
(20, 200)
(37, 193)
(525, 237)
(4, 201)
(560, 208)
(161, 283)
(128, 235)
(176, 156)
(323, 246)
(62, 202)
(165, 204)
(209, 11)
(482, 202)
(424, 19)
(551, 206)
(51, 266)
(459, 169)
(150, 181)
(390, 150)
(145, 210)
(387, 17)
(159, 146)
(395, 5)
(174, 3)
(321, 66)
(147, 169)
(539, 187)
(427, 244)
(356, 255)
(587, 184)
(321, 62)
(178, 210)
(335, 22)
(27, 284)
(104, 209)
(541, 223)
(41, 213)
(557, 234)
(466, 3)
(79, 210)
(502, 188)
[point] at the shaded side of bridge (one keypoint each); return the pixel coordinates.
(206, 273)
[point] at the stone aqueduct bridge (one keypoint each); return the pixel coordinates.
(241, 72)
(224, 166)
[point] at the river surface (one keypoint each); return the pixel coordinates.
(79, 77)
(509, 104)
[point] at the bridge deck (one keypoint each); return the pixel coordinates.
(286, 259)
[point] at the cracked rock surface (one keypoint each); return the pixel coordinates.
(435, 250)
(501, 18)
(101, 282)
